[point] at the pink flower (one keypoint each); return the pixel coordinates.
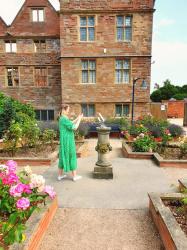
(10, 179)
(23, 203)
(50, 191)
(12, 165)
(17, 190)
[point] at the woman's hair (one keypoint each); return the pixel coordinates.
(63, 107)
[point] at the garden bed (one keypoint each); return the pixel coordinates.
(32, 156)
(171, 225)
(37, 225)
(128, 153)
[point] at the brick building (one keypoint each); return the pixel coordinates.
(29, 57)
(86, 55)
(104, 45)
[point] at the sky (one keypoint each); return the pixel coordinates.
(169, 55)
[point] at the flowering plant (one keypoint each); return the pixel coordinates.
(20, 196)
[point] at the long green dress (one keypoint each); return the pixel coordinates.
(67, 150)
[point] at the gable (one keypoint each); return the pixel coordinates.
(3, 27)
(23, 25)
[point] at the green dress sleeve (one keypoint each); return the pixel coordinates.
(68, 124)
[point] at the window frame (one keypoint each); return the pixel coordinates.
(12, 77)
(40, 49)
(124, 28)
(35, 76)
(88, 70)
(122, 105)
(87, 28)
(40, 114)
(38, 17)
(130, 70)
(87, 107)
(10, 42)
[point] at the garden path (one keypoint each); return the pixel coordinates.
(107, 214)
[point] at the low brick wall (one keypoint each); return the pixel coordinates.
(170, 231)
(128, 153)
(32, 161)
(175, 109)
(37, 226)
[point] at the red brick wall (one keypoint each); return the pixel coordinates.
(176, 109)
(105, 93)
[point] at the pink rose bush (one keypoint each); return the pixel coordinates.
(21, 193)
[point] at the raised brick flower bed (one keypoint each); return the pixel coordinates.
(128, 153)
(37, 226)
(170, 231)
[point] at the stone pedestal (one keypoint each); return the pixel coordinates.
(103, 168)
(185, 114)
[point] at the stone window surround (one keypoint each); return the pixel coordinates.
(40, 41)
(37, 9)
(124, 41)
(79, 26)
(130, 70)
(10, 42)
(40, 75)
(47, 113)
(81, 70)
(122, 104)
(87, 106)
(6, 76)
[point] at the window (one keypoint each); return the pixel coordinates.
(122, 71)
(40, 46)
(122, 110)
(41, 76)
(87, 28)
(124, 28)
(44, 115)
(88, 110)
(12, 76)
(88, 71)
(38, 15)
(10, 46)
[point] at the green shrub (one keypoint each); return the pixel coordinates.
(137, 129)
(48, 136)
(144, 144)
(175, 130)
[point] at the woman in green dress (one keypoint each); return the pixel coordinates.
(67, 150)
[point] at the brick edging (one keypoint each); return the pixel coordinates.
(170, 231)
(37, 226)
(128, 153)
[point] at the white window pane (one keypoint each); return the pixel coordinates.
(120, 32)
(128, 34)
(14, 47)
(91, 21)
(120, 21)
(119, 64)
(126, 76)
(118, 110)
(126, 64)
(41, 15)
(91, 33)
(128, 21)
(92, 77)
(84, 65)
(125, 110)
(91, 110)
(83, 34)
(7, 47)
(118, 76)
(84, 110)
(84, 76)
(34, 15)
(92, 65)
(83, 21)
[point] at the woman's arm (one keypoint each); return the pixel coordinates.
(74, 121)
(78, 120)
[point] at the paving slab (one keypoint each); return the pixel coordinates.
(133, 179)
(101, 229)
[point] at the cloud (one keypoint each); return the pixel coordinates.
(170, 62)
(165, 22)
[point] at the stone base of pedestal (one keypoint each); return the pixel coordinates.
(103, 173)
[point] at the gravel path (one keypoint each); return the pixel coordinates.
(101, 229)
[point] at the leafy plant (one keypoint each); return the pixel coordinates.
(21, 194)
(175, 130)
(137, 129)
(144, 143)
(48, 136)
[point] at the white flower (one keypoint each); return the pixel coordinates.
(141, 135)
(28, 170)
(3, 168)
(37, 181)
